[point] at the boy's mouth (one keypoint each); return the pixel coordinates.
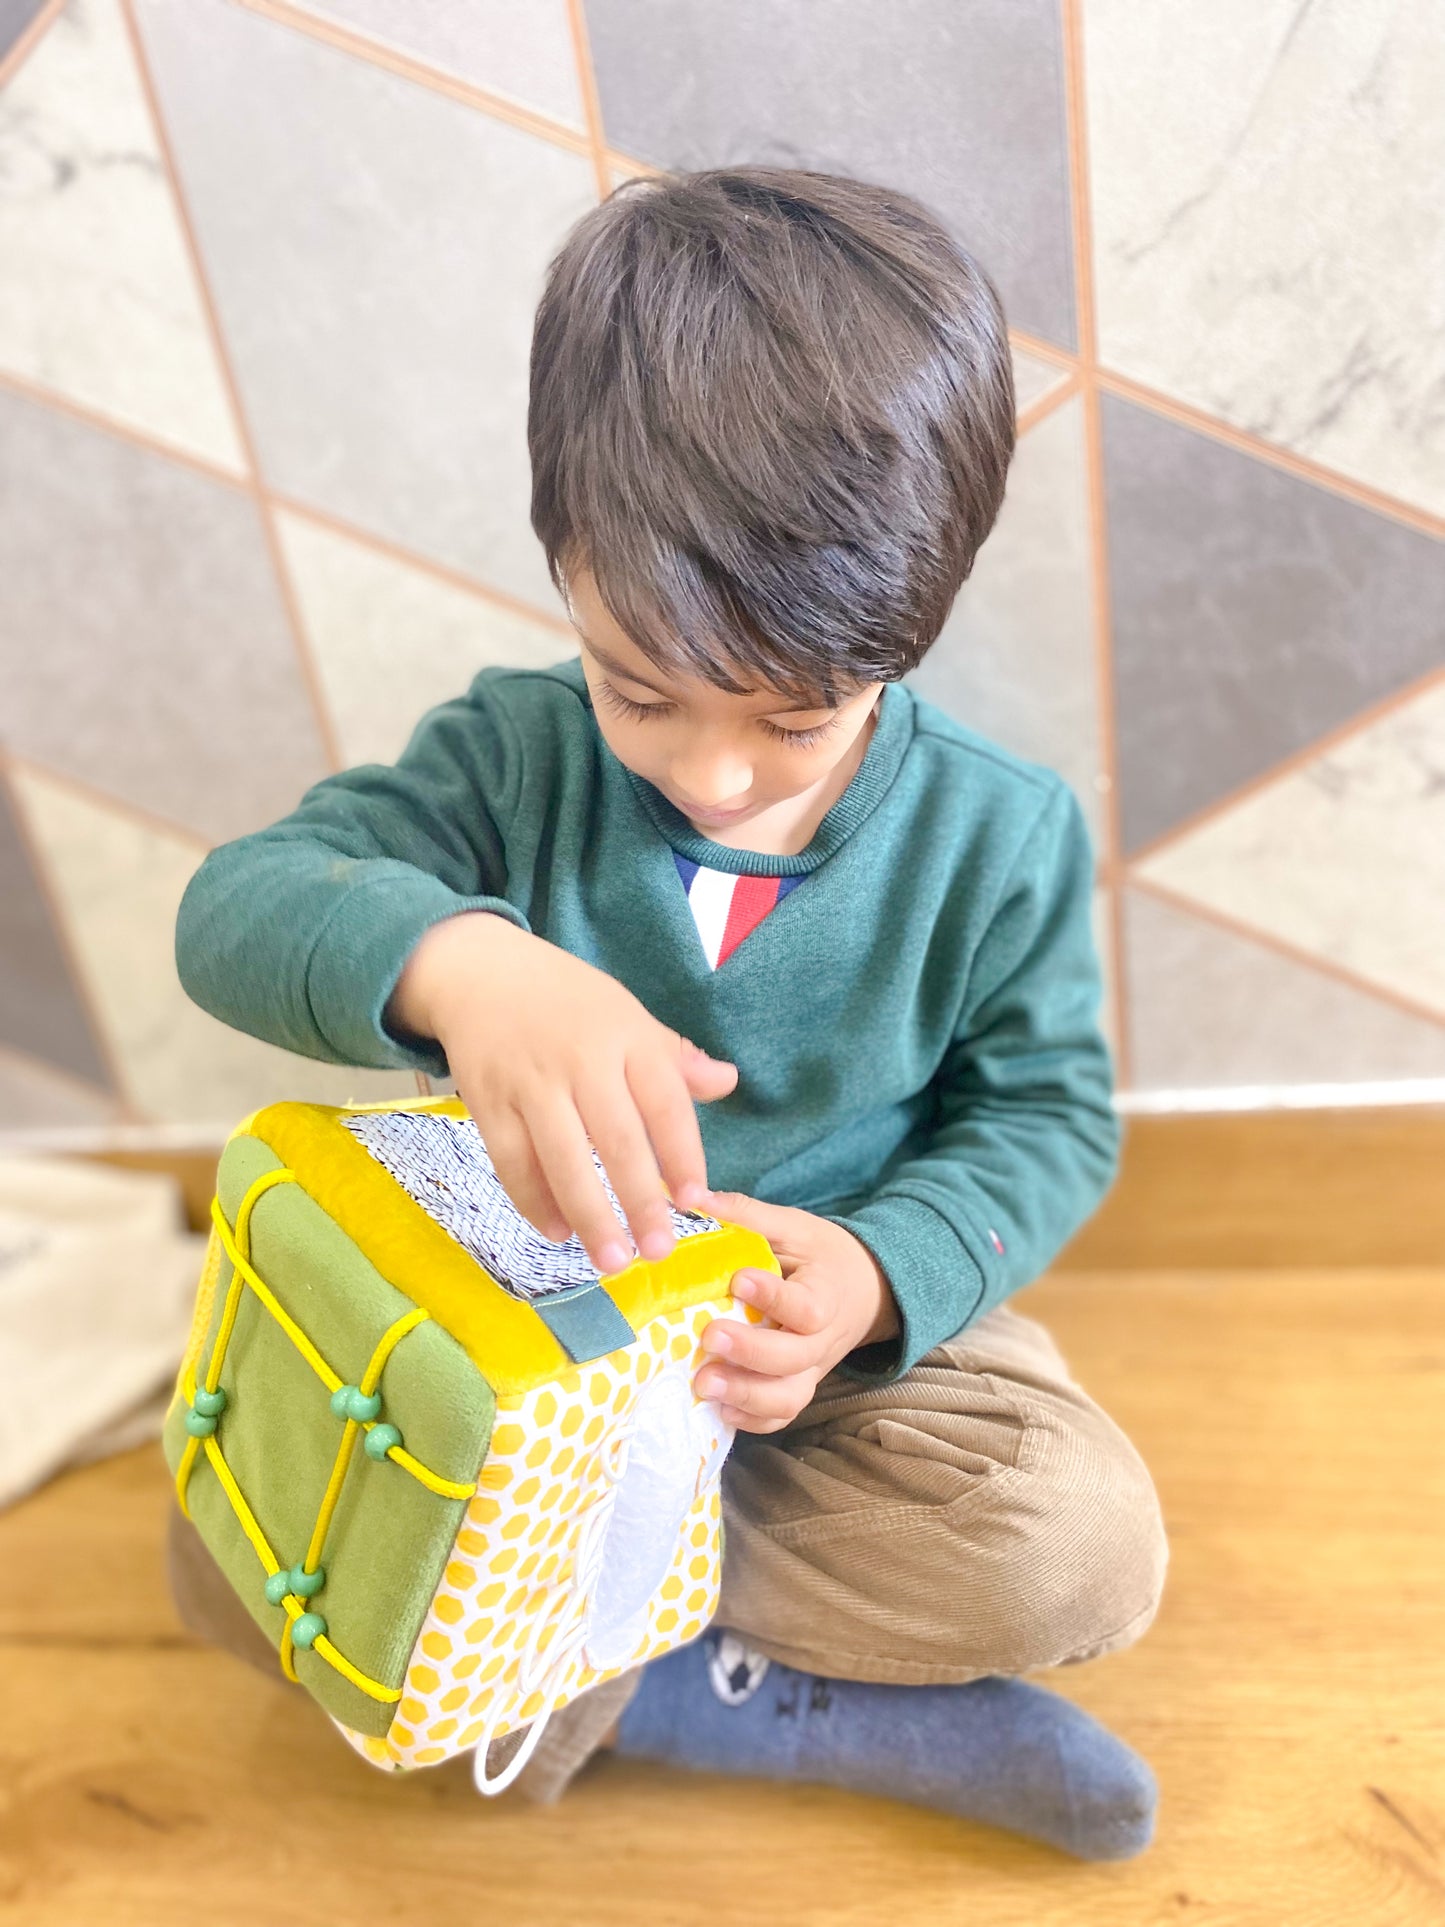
(712, 816)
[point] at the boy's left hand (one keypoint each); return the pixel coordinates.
(831, 1298)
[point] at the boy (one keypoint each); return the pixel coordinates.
(727, 860)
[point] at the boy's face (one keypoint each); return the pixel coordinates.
(722, 759)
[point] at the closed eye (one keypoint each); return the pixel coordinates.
(627, 706)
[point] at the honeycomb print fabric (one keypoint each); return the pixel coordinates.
(592, 1544)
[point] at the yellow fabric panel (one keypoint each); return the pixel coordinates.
(504, 1338)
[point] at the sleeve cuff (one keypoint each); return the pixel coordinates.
(359, 955)
(936, 1281)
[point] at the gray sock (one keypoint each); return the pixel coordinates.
(996, 1750)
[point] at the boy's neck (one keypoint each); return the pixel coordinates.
(784, 829)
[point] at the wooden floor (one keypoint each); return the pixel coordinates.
(1291, 1696)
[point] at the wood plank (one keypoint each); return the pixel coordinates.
(1291, 1695)
(1303, 1188)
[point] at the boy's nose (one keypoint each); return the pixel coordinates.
(716, 786)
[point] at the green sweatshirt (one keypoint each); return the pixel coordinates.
(914, 1025)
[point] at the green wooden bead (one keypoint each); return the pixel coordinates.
(339, 1398)
(380, 1439)
(277, 1587)
(209, 1404)
(304, 1583)
(200, 1425)
(306, 1630)
(362, 1405)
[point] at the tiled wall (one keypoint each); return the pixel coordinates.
(267, 274)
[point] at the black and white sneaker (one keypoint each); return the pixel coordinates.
(735, 1671)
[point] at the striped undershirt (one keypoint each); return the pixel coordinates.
(727, 908)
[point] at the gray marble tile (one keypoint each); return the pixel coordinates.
(524, 52)
(15, 17)
(376, 251)
(41, 1010)
(961, 105)
(1016, 659)
(151, 655)
(1252, 612)
(1209, 1009)
(1265, 182)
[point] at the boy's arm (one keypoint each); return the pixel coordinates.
(1027, 1139)
(298, 933)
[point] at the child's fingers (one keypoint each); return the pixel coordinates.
(610, 1116)
(760, 1348)
(566, 1160)
(756, 1398)
(662, 1097)
(792, 1302)
(510, 1148)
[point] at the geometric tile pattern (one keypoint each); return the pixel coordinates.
(15, 17)
(1253, 612)
(35, 1097)
(1212, 1007)
(1015, 658)
(42, 1010)
(381, 349)
(1343, 858)
(119, 883)
(960, 105)
(157, 650)
(97, 298)
(1266, 184)
(361, 609)
(524, 53)
(1213, 599)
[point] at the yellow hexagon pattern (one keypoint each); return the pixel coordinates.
(507, 1584)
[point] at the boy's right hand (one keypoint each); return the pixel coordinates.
(547, 1052)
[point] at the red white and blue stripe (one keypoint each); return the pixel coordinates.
(727, 908)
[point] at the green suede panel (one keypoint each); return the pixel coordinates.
(390, 1537)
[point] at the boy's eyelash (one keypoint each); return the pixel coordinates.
(800, 738)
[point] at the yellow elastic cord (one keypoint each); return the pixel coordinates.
(240, 1257)
(247, 1519)
(237, 1246)
(238, 1250)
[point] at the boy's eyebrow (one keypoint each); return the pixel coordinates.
(616, 668)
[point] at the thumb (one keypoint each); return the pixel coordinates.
(706, 1077)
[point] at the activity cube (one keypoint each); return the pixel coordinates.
(456, 1477)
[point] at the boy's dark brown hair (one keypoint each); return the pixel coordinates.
(772, 412)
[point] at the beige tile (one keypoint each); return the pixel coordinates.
(1210, 1008)
(1015, 660)
(1034, 378)
(1265, 182)
(119, 885)
(524, 52)
(97, 295)
(390, 640)
(1343, 858)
